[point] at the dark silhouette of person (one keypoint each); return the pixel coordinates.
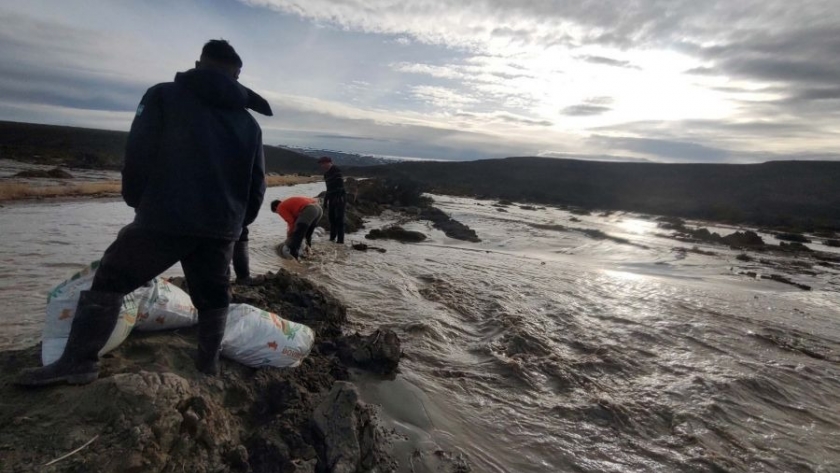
(335, 200)
(194, 172)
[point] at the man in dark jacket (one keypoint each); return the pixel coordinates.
(335, 199)
(194, 173)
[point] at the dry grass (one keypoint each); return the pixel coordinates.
(274, 181)
(23, 190)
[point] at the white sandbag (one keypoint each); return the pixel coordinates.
(255, 338)
(61, 309)
(165, 306)
(286, 252)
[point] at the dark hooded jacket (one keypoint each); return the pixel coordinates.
(194, 161)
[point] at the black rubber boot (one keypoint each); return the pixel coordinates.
(95, 319)
(241, 262)
(211, 330)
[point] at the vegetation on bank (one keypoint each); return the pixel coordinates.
(88, 148)
(798, 196)
(795, 195)
(11, 190)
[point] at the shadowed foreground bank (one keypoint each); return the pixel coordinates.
(150, 410)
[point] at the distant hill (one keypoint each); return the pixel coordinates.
(801, 194)
(103, 149)
(341, 158)
(286, 161)
(62, 145)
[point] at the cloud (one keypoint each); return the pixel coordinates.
(593, 157)
(607, 61)
(590, 107)
(585, 110)
(441, 97)
(346, 137)
(679, 80)
(50, 64)
(503, 117)
(301, 121)
(670, 150)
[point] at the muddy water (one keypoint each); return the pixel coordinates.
(541, 349)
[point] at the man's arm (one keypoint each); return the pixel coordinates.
(142, 147)
(286, 214)
(255, 199)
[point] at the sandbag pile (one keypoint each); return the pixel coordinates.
(253, 337)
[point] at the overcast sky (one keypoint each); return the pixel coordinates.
(657, 80)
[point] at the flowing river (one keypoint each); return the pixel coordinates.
(541, 348)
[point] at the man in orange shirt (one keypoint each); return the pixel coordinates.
(302, 215)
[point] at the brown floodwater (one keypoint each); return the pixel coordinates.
(539, 349)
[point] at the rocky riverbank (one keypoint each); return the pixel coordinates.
(370, 197)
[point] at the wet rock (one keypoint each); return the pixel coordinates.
(671, 223)
(742, 239)
(795, 237)
(744, 257)
(575, 219)
(786, 280)
(527, 207)
(549, 226)
(579, 211)
(499, 209)
(451, 227)
(441, 461)
(364, 247)
(350, 441)
(504, 203)
(306, 466)
(373, 196)
(794, 247)
(378, 352)
(55, 173)
(776, 277)
(832, 243)
(238, 458)
(696, 250)
(372, 193)
(396, 233)
(267, 455)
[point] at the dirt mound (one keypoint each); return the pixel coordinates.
(396, 233)
(54, 173)
(451, 227)
(150, 410)
(371, 197)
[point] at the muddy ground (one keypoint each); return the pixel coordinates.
(151, 411)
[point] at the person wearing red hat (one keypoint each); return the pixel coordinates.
(335, 199)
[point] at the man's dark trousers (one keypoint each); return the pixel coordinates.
(138, 255)
(335, 213)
